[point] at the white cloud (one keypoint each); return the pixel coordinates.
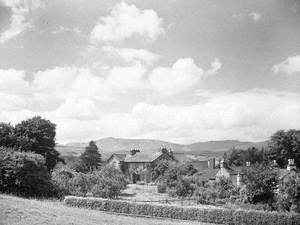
(255, 16)
(252, 115)
(124, 79)
(289, 66)
(12, 81)
(19, 21)
(183, 74)
(215, 67)
(131, 55)
(126, 21)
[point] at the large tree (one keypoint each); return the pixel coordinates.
(7, 138)
(91, 158)
(285, 145)
(260, 183)
(38, 135)
(239, 157)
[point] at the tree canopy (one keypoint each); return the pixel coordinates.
(284, 145)
(239, 157)
(35, 135)
(90, 159)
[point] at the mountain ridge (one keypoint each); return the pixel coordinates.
(110, 145)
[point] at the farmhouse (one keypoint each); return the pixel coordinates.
(138, 166)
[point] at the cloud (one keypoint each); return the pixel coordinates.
(289, 66)
(252, 115)
(183, 74)
(255, 16)
(215, 67)
(18, 23)
(12, 82)
(126, 21)
(124, 79)
(131, 55)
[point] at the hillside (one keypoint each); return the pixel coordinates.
(111, 145)
(20, 211)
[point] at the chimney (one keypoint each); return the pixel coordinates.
(222, 163)
(275, 163)
(248, 163)
(134, 151)
(170, 152)
(211, 163)
(238, 180)
(291, 165)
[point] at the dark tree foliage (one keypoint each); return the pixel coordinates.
(7, 138)
(159, 169)
(288, 198)
(260, 183)
(239, 157)
(285, 145)
(25, 174)
(90, 159)
(38, 135)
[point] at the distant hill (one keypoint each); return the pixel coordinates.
(111, 145)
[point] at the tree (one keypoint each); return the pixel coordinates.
(25, 174)
(38, 135)
(7, 138)
(159, 169)
(108, 182)
(90, 159)
(239, 157)
(289, 193)
(260, 183)
(285, 145)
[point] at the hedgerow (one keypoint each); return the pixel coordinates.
(211, 215)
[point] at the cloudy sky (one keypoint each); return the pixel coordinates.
(174, 70)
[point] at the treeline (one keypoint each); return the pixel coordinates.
(264, 184)
(30, 165)
(282, 146)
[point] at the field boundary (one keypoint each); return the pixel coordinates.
(217, 216)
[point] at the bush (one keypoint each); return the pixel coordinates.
(62, 179)
(288, 197)
(260, 184)
(161, 188)
(218, 216)
(24, 174)
(108, 182)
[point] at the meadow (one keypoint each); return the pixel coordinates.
(21, 211)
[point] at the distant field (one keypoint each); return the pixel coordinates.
(19, 211)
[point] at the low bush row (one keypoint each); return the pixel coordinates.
(218, 216)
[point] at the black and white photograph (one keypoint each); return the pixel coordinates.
(153, 112)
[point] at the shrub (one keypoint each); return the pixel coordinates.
(108, 182)
(25, 174)
(161, 188)
(183, 187)
(260, 184)
(62, 179)
(80, 184)
(216, 215)
(288, 197)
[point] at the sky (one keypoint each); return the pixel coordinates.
(174, 70)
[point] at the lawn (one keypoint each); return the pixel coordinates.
(19, 211)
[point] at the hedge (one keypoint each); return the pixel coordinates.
(209, 215)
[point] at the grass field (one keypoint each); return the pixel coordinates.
(19, 211)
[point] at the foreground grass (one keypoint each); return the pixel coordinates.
(19, 211)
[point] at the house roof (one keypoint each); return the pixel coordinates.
(118, 156)
(142, 157)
